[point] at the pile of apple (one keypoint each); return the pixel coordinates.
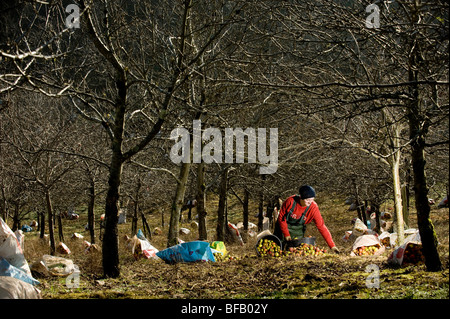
(366, 250)
(227, 257)
(268, 248)
(413, 254)
(305, 250)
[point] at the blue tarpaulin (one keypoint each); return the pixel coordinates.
(187, 252)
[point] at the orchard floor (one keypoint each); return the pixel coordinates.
(248, 276)
(251, 277)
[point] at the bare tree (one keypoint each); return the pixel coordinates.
(33, 134)
(158, 63)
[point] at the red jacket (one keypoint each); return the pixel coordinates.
(313, 214)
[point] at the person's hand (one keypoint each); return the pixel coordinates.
(336, 250)
(288, 238)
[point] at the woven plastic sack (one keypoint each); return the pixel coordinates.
(187, 252)
(8, 270)
(368, 241)
(141, 247)
(63, 249)
(10, 248)
(53, 266)
(359, 228)
(401, 256)
(20, 238)
(13, 288)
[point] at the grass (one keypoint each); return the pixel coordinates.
(248, 277)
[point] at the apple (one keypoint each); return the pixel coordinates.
(267, 247)
(306, 250)
(366, 250)
(413, 255)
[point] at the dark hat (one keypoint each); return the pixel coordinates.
(306, 191)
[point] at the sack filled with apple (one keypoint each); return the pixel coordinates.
(410, 253)
(367, 245)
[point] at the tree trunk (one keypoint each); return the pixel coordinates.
(91, 217)
(395, 169)
(418, 127)
(16, 220)
(51, 233)
(201, 199)
(42, 225)
(177, 203)
(146, 227)
(134, 222)
(3, 204)
(405, 206)
(407, 183)
(60, 228)
(365, 210)
(358, 208)
(377, 217)
(245, 209)
(425, 225)
(190, 212)
(110, 249)
(260, 212)
(261, 205)
(269, 212)
(223, 189)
